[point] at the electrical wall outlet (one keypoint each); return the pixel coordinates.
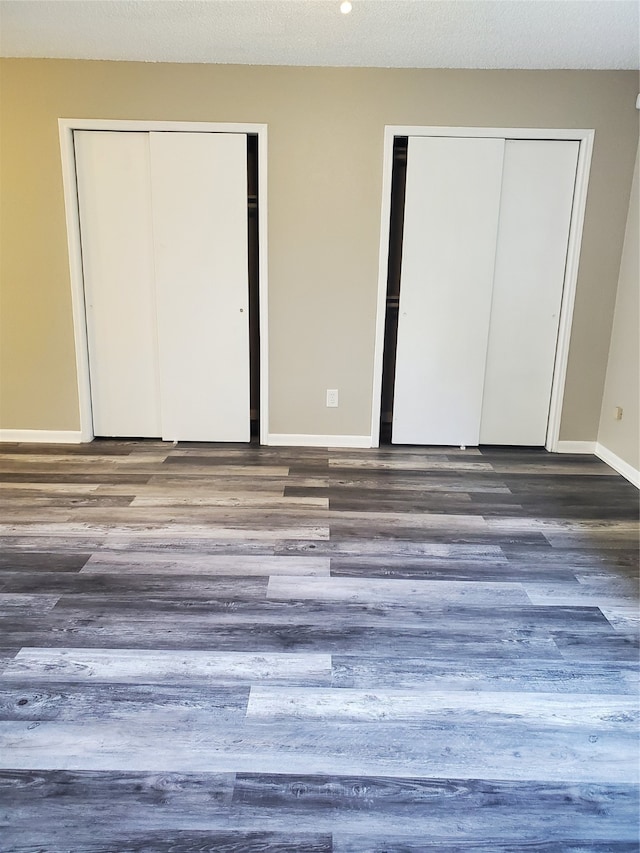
(617, 413)
(332, 398)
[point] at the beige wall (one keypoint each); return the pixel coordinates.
(622, 386)
(325, 169)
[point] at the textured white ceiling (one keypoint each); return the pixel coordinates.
(382, 33)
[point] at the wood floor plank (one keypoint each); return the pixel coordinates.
(371, 672)
(398, 590)
(447, 504)
(468, 567)
(163, 528)
(139, 541)
(606, 711)
(164, 667)
(204, 564)
(349, 528)
(423, 552)
(516, 752)
(580, 559)
(424, 462)
(83, 702)
(12, 604)
(47, 489)
(619, 593)
(255, 470)
(411, 488)
(267, 501)
(555, 527)
(42, 478)
(445, 809)
(344, 804)
(198, 633)
(425, 521)
(41, 561)
(402, 843)
(226, 587)
(592, 468)
(101, 447)
(622, 647)
(359, 545)
(208, 482)
(12, 507)
(160, 516)
(623, 618)
(188, 841)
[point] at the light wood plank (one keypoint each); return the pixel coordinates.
(582, 755)
(566, 710)
(167, 667)
(203, 564)
(399, 591)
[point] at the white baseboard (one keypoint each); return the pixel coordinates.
(575, 447)
(628, 472)
(306, 440)
(42, 436)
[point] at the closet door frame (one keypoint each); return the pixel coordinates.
(585, 139)
(66, 127)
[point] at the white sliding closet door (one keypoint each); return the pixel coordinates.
(164, 233)
(118, 266)
(450, 227)
(199, 186)
(535, 216)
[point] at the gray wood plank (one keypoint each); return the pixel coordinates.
(385, 843)
(158, 530)
(39, 701)
(622, 618)
(205, 564)
(450, 809)
(555, 710)
(158, 666)
(471, 562)
(193, 841)
(513, 752)
(395, 590)
(622, 647)
(366, 672)
(41, 800)
(98, 582)
(13, 604)
(204, 634)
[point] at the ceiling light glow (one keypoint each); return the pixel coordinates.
(345, 7)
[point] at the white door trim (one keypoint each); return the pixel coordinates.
(585, 138)
(66, 127)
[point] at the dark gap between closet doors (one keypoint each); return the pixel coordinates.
(394, 267)
(254, 281)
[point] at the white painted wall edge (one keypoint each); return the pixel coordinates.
(574, 247)
(42, 436)
(263, 281)
(628, 472)
(76, 277)
(307, 440)
(162, 125)
(575, 447)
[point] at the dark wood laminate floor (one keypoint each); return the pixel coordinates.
(222, 648)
